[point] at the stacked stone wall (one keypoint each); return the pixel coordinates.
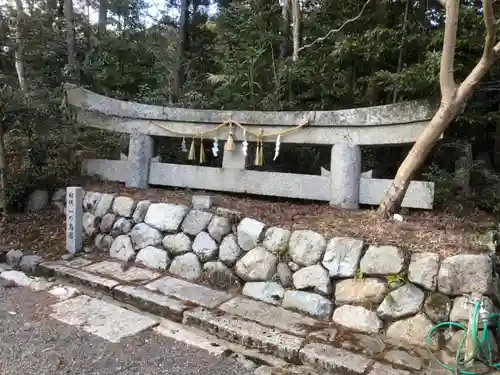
(362, 287)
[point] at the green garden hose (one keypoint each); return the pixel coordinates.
(483, 352)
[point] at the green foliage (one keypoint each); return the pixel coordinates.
(130, 67)
(233, 61)
(445, 182)
(11, 106)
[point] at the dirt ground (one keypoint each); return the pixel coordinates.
(446, 234)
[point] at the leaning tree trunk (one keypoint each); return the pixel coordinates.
(453, 99)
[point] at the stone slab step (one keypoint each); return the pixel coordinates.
(73, 263)
(5, 267)
(16, 277)
(189, 292)
(78, 276)
(188, 336)
(328, 358)
(268, 329)
(152, 302)
(250, 334)
(101, 318)
(273, 316)
(381, 369)
(77, 262)
(115, 270)
(287, 370)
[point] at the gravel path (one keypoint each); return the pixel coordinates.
(33, 343)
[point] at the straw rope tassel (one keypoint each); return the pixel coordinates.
(192, 152)
(229, 146)
(259, 152)
(203, 157)
(256, 161)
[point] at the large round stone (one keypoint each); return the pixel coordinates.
(186, 266)
(257, 265)
(306, 247)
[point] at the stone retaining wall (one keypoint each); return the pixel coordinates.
(363, 287)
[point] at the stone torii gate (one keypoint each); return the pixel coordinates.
(346, 130)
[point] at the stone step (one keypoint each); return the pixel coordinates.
(189, 292)
(78, 276)
(106, 320)
(188, 336)
(381, 369)
(149, 301)
(340, 361)
(287, 370)
(73, 263)
(328, 358)
(115, 271)
(270, 315)
(250, 334)
(268, 329)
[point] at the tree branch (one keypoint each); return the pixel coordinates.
(496, 49)
(491, 30)
(446, 76)
(336, 30)
(491, 52)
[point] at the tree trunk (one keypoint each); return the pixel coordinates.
(182, 47)
(103, 15)
(372, 90)
(196, 6)
(31, 7)
(415, 158)
(401, 48)
(70, 34)
(296, 29)
(51, 14)
(19, 53)
(285, 29)
(88, 27)
(23, 86)
(496, 147)
(453, 99)
(3, 173)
